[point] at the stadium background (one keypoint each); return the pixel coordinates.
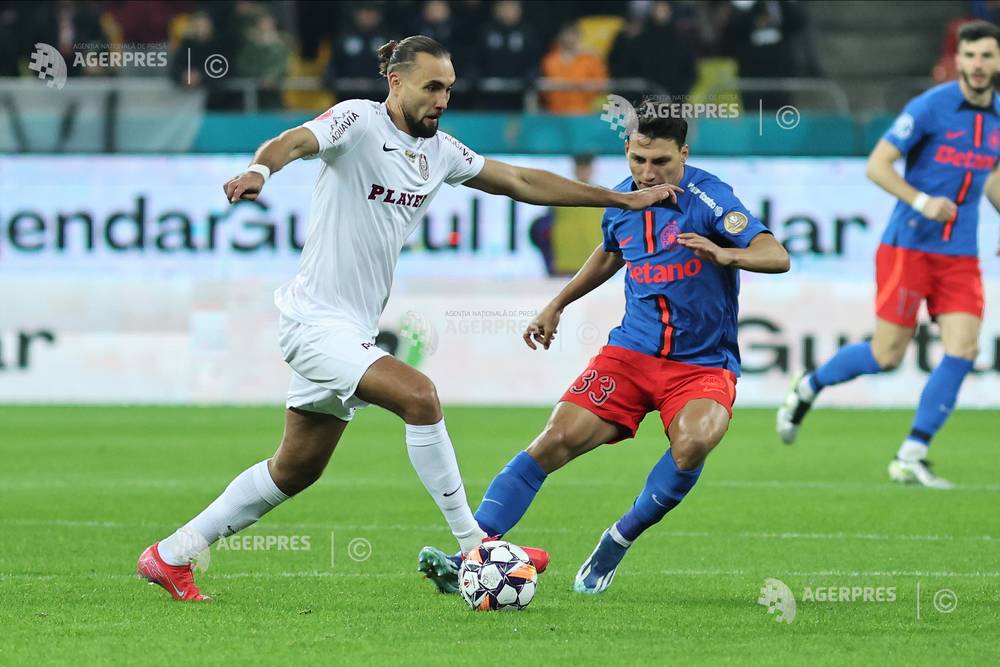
(128, 279)
(131, 280)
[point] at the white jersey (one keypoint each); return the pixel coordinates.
(374, 186)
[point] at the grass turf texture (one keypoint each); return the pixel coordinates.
(86, 489)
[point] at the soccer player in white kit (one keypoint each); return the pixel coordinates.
(380, 166)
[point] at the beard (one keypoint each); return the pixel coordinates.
(422, 129)
(977, 90)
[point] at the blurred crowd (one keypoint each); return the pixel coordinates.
(308, 54)
(500, 49)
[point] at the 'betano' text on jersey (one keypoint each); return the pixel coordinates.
(374, 185)
(950, 147)
(678, 306)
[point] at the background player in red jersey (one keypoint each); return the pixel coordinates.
(675, 352)
(951, 138)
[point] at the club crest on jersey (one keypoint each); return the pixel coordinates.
(994, 139)
(425, 171)
(668, 237)
(735, 222)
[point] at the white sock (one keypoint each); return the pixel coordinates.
(805, 389)
(618, 537)
(912, 450)
(247, 498)
(433, 457)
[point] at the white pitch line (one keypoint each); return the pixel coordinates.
(378, 483)
(326, 574)
(838, 486)
(69, 523)
(820, 573)
(270, 529)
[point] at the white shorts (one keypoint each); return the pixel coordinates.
(327, 363)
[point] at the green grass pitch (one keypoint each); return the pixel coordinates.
(84, 490)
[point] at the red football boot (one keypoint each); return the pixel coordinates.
(176, 579)
(539, 557)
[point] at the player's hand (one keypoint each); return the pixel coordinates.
(245, 186)
(940, 209)
(543, 328)
(705, 249)
(646, 197)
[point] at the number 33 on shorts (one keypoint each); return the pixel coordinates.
(585, 384)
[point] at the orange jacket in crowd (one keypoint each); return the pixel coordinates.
(581, 67)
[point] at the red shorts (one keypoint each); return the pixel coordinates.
(623, 386)
(906, 277)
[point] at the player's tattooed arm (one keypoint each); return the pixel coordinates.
(881, 172)
(596, 271)
(537, 186)
(274, 154)
(763, 255)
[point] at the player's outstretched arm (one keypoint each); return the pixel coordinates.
(274, 154)
(537, 186)
(599, 267)
(884, 175)
(763, 255)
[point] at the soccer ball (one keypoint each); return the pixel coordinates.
(497, 575)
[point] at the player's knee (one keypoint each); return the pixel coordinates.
(422, 405)
(889, 357)
(889, 351)
(691, 449)
(968, 351)
(295, 476)
(554, 448)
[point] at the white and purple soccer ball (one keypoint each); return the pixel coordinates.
(497, 575)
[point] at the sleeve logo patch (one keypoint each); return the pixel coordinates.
(735, 222)
(340, 124)
(903, 127)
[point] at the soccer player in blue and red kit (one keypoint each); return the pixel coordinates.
(950, 136)
(674, 353)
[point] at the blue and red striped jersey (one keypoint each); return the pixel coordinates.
(950, 147)
(678, 306)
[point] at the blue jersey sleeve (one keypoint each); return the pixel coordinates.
(610, 242)
(730, 221)
(911, 126)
